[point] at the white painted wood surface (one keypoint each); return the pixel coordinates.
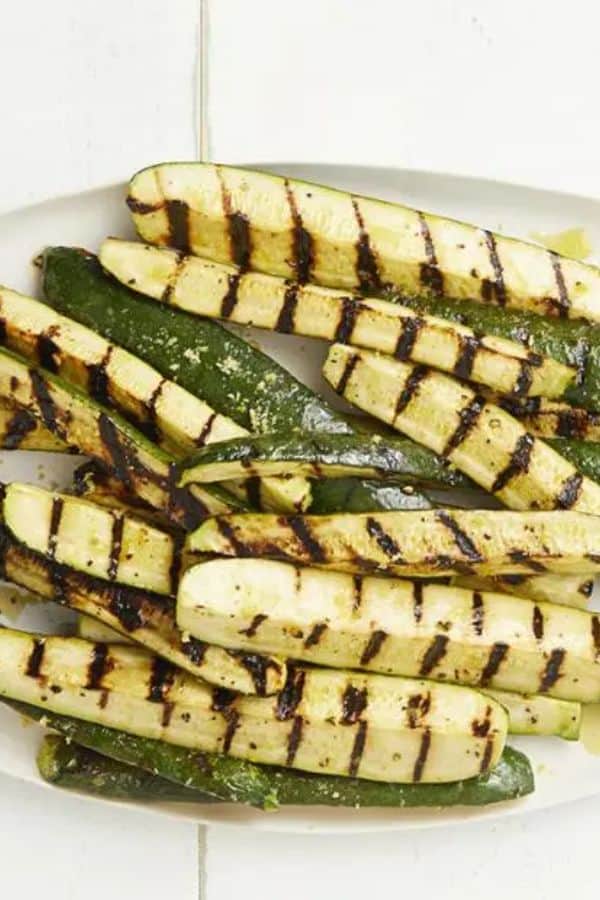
(91, 91)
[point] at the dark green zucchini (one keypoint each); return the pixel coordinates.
(67, 765)
(361, 495)
(269, 787)
(568, 341)
(201, 356)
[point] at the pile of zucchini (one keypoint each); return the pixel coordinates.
(279, 602)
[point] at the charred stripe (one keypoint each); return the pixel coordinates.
(477, 613)
(564, 303)
(118, 524)
(410, 389)
(430, 274)
(354, 703)
(468, 417)
(48, 352)
(98, 380)
(286, 319)
(348, 313)
(496, 287)
(230, 297)
(422, 755)
(434, 654)
(537, 623)
(384, 540)
(461, 538)
(569, 492)
(45, 403)
(294, 740)
(524, 379)
(358, 749)
(308, 543)
(521, 557)
(372, 647)
(552, 672)
(302, 242)
(116, 452)
(58, 505)
(178, 217)
(315, 635)
(497, 654)
(596, 635)
(18, 427)
(469, 345)
(518, 463)
(161, 680)
(202, 438)
(487, 754)
(98, 667)
(351, 364)
(35, 659)
(417, 592)
(254, 625)
(290, 696)
(411, 325)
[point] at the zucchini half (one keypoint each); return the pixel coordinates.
(419, 543)
(206, 288)
(105, 436)
(167, 414)
(148, 619)
(304, 231)
(482, 440)
(343, 723)
(393, 627)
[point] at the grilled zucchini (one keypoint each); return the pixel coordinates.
(569, 590)
(552, 419)
(393, 627)
(168, 414)
(334, 722)
(415, 543)
(540, 715)
(20, 430)
(482, 440)
(149, 619)
(251, 298)
(105, 436)
(294, 229)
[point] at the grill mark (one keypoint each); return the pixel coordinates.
(537, 624)
(115, 546)
(468, 417)
(564, 303)
(299, 526)
(477, 613)
(524, 379)
(569, 493)
(98, 667)
(167, 714)
(177, 543)
(254, 625)
(103, 701)
(411, 325)
(354, 703)
(497, 287)
(430, 274)
(126, 609)
(202, 438)
(487, 755)
(141, 208)
(17, 429)
(434, 654)
(290, 695)
(596, 635)
(568, 424)
(178, 217)
(285, 321)
(302, 242)
(161, 680)
(55, 516)
(98, 380)
(35, 659)
(315, 635)
(410, 389)
(418, 706)
(173, 278)
(294, 740)
(358, 749)
(257, 667)
(552, 672)
(117, 454)
(481, 728)
(151, 427)
(226, 530)
(230, 298)
(222, 702)
(461, 538)
(417, 591)
(342, 384)
(372, 647)
(48, 352)
(469, 345)
(45, 403)
(253, 491)
(347, 321)
(367, 269)
(497, 654)
(357, 584)
(422, 755)
(518, 463)
(181, 503)
(384, 541)
(586, 588)
(523, 558)
(195, 650)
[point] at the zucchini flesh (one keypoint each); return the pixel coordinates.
(168, 415)
(251, 298)
(20, 430)
(105, 436)
(414, 543)
(393, 627)
(569, 590)
(539, 715)
(332, 721)
(148, 619)
(482, 440)
(104, 543)
(294, 229)
(551, 419)
(225, 371)
(268, 787)
(66, 765)
(92, 630)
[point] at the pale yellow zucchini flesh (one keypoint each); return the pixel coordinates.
(225, 292)
(176, 419)
(539, 715)
(308, 232)
(479, 438)
(89, 629)
(393, 627)
(20, 430)
(147, 619)
(568, 590)
(413, 543)
(550, 418)
(343, 723)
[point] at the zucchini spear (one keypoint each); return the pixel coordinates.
(267, 787)
(250, 298)
(322, 721)
(482, 440)
(294, 229)
(393, 627)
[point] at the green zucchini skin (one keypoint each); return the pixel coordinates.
(356, 495)
(568, 341)
(67, 765)
(268, 787)
(200, 355)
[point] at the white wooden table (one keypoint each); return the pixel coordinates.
(93, 91)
